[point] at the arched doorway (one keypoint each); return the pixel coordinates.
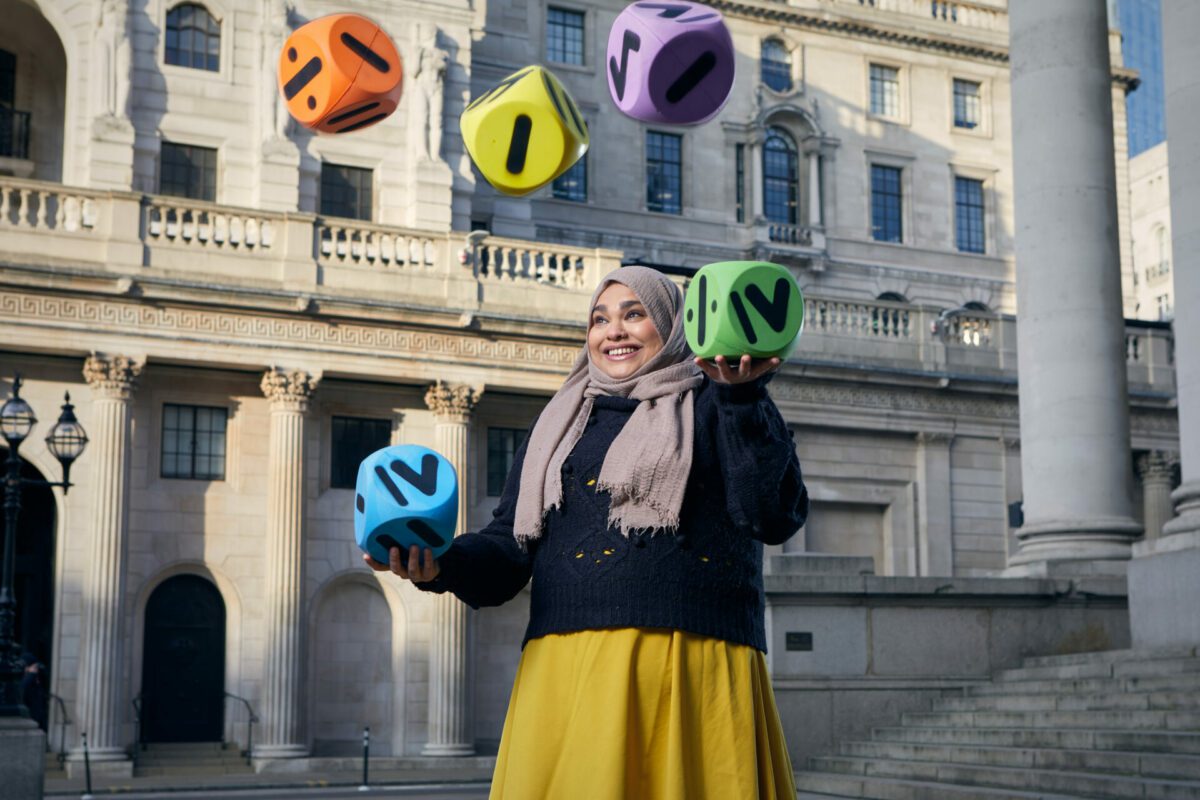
(183, 667)
(33, 573)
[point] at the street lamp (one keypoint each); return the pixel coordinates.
(66, 441)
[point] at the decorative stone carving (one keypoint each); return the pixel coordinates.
(288, 389)
(113, 54)
(428, 92)
(115, 376)
(455, 403)
(276, 28)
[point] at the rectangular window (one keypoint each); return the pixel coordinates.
(885, 91)
(966, 104)
(346, 191)
(740, 190)
(193, 442)
(572, 184)
(187, 171)
(664, 170)
(968, 215)
(502, 446)
(886, 204)
(564, 36)
(353, 440)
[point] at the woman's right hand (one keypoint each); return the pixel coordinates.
(414, 571)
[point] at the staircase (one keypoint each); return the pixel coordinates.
(1118, 724)
(191, 758)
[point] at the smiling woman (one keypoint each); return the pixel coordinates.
(638, 505)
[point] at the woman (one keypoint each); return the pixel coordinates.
(639, 505)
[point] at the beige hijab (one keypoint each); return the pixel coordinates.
(647, 465)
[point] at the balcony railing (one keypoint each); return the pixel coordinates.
(14, 133)
(133, 235)
(979, 15)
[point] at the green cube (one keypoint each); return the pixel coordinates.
(734, 308)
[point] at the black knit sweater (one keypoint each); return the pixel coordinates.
(744, 489)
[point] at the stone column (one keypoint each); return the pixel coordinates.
(1157, 471)
(101, 703)
(450, 732)
(814, 189)
(1164, 592)
(1070, 334)
(756, 178)
(283, 662)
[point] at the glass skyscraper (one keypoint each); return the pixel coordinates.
(1141, 44)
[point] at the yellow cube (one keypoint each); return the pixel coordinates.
(524, 132)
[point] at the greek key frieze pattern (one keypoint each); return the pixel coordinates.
(128, 317)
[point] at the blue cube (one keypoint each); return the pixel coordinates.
(405, 495)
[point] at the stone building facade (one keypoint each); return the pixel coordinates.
(220, 347)
(1150, 209)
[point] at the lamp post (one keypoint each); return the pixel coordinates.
(66, 441)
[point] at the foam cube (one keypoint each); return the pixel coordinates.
(340, 73)
(405, 495)
(524, 132)
(670, 62)
(734, 308)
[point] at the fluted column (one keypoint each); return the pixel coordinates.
(1157, 471)
(1074, 403)
(450, 731)
(101, 703)
(1181, 80)
(282, 680)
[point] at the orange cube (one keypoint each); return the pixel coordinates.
(340, 73)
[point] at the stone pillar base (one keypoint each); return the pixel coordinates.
(1061, 568)
(444, 750)
(265, 751)
(22, 758)
(109, 762)
(1187, 506)
(1164, 592)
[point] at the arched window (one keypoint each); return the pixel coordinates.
(975, 305)
(776, 65)
(893, 297)
(781, 180)
(193, 38)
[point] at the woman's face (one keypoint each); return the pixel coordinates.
(621, 335)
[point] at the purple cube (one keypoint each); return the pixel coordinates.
(670, 62)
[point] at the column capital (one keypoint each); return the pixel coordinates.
(288, 390)
(1157, 465)
(112, 376)
(453, 402)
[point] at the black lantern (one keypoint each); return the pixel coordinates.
(66, 441)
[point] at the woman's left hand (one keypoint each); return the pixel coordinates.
(747, 369)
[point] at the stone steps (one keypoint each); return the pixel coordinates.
(1121, 720)
(1094, 726)
(1135, 741)
(191, 758)
(1152, 765)
(1045, 701)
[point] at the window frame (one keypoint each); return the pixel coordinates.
(739, 182)
(987, 177)
(162, 443)
(522, 434)
(367, 171)
(565, 193)
(984, 128)
(646, 171)
(583, 16)
(790, 65)
(216, 169)
(901, 117)
(901, 196)
(217, 17)
(793, 178)
(386, 423)
(983, 215)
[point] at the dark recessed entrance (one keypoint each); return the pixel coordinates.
(183, 671)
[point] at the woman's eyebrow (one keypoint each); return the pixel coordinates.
(624, 305)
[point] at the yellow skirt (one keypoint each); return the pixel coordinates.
(641, 714)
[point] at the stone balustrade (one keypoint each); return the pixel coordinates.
(978, 15)
(154, 237)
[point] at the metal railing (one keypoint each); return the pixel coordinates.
(63, 722)
(251, 718)
(14, 133)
